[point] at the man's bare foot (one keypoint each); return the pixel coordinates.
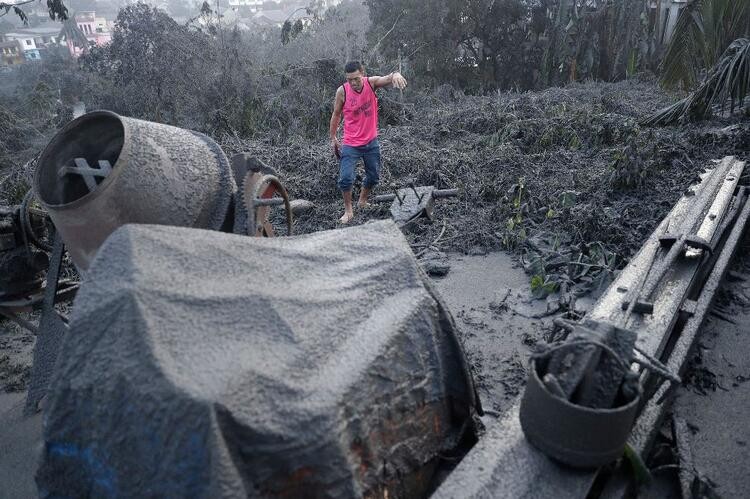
(346, 218)
(363, 204)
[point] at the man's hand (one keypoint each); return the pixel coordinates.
(336, 147)
(398, 80)
(394, 79)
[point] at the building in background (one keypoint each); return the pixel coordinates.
(251, 6)
(34, 42)
(96, 29)
(11, 53)
(93, 31)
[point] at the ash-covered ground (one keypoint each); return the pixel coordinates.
(565, 179)
(569, 162)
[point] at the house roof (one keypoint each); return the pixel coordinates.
(38, 31)
(16, 35)
(9, 43)
(87, 16)
(272, 16)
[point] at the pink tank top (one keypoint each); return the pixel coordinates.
(360, 115)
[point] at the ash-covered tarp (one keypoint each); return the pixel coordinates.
(203, 364)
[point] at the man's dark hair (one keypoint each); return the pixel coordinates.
(353, 66)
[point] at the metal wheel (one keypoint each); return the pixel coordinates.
(260, 195)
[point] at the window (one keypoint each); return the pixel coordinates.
(28, 42)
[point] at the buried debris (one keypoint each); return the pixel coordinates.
(581, 399)
(202, 364)
(591, 372)
(513, 462)
(411, 203)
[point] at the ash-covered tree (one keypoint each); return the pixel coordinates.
(480, 44)
(160, 70)
(487, 44)
(704, 30)
(711, 42)
(154, 64)
(56, 8)
(599, 39)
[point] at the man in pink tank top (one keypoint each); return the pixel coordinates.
(357, 102)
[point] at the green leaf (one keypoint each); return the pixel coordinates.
(537, 282)
(642, 475)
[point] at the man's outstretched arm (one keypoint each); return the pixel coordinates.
(395, 79)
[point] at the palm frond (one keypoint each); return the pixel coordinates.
(704, 30)
(680, 66)
(724, 21)
(727, 82)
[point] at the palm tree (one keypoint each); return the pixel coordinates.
(728, 80)
(710, 42)
(704, 30)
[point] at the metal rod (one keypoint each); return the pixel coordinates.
(88, 173)
(384, 198)
(269, 202)
(444, 193)
(705, 197)
(105, 166)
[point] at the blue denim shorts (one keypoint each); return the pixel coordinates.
(370, 154)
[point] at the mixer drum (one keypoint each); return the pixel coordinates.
(103, 170)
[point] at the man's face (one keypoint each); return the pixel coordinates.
(356, 80)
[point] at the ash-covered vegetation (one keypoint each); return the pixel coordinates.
(532, 108)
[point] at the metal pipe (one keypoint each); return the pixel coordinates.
(384, 198)
(269, 202)
(444, 193)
